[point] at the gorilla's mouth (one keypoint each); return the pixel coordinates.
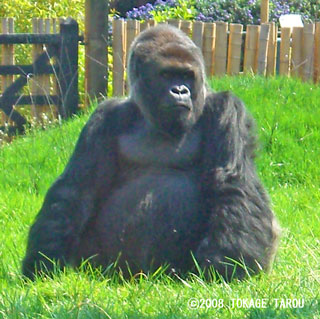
(182, 106)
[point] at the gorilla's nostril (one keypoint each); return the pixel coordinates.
(180, 90)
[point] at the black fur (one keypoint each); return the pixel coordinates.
(164, 173)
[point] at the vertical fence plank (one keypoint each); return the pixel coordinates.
(221, 47)
(316, 76)
(197, 34)
(263, 49)
(251, 49)
(209, 34)
(133, 29)
(186, 27)
(47, 111)
(296, 57)
(55, 88)
(68, 68)
(272, 49)
(152, 23)
(234, 53)
(284, 68)
(175, 22)
(308, 51)
(118, 57)
(145, 25)
(37, 49)
(264, 11)
(7, 59)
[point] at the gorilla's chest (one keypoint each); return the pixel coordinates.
(150, 150)
(155, 175)
(156, 195)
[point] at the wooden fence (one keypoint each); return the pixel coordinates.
(44, 83)
(228, 49)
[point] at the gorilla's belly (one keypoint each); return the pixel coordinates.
(151, 217)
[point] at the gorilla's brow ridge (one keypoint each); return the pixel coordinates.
(176, 51)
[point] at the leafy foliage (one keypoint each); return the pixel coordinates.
(24, 10)
(239, 11)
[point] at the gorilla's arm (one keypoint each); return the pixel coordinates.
(69, 203)
(240, 220)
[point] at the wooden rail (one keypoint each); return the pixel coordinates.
(53, 86)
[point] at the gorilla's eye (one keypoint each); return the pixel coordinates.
(166, 74)
(177, 73)
(188, 75)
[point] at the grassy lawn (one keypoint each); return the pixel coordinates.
(288, 123)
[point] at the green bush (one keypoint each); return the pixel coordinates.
(24, 10)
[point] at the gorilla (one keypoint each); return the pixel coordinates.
(164, 177)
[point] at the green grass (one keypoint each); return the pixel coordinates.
(288, 123)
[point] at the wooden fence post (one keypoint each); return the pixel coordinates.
(152, 23)
(264, 13)
(50, 111)
(251, 49)
(144, 25)
(186, 27)
(284, 68)
(118, 57)
(308, 51)
(221, 47)
(175, 22)
(263, 49)
(316, 76)
(7, 59)
(68, 68)
(96, 50)
(234, 53)
(209, 34)
(272, 49)
(296, 59)
(37, 81)
(133, 29)
(197, 34)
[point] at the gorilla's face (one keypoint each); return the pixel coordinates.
(167, 84)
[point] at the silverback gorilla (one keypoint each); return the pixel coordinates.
(163, 175)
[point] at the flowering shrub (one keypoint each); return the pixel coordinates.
(236, 11)
(147, 12)
(309, 9)
(240, 11)
(163, 10)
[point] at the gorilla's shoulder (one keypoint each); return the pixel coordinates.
(113, 108)
(223, 100)
(113, 116)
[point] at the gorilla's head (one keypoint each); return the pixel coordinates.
(167, 79)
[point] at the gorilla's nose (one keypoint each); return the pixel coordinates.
(180, 92)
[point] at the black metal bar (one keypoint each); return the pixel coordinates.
(17, 85)
(8, 107)
(39, 65)
(64, 47)
(68, 68)
(29, 38)
(11, 130)
(30, 99)
(27, 69)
